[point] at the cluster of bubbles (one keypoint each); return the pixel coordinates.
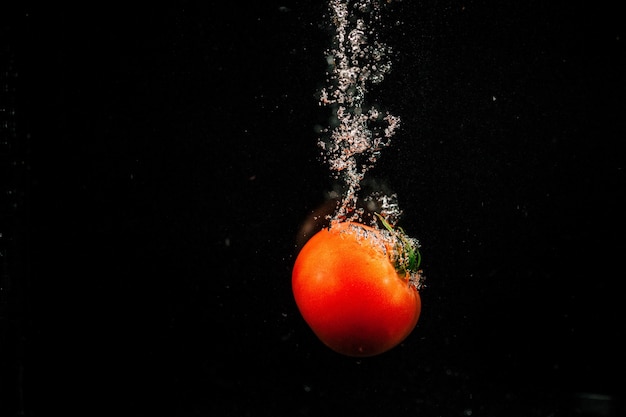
(358, 131)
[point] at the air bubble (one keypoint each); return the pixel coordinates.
(358, 131)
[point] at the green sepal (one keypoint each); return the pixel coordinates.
(409, 257)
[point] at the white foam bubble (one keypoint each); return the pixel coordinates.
(357, 59)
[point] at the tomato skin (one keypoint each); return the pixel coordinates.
(350, 294)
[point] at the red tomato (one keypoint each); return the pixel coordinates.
(350, 293)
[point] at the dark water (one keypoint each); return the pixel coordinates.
(157, 165)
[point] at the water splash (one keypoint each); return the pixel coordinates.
(359, 131)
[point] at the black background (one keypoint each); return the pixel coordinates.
(159, 163)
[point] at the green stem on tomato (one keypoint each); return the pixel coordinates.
(409, 257)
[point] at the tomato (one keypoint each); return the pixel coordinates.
(350, 291)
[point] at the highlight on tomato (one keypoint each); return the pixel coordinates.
(357, 287)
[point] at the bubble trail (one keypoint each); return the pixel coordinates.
(359, 131)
